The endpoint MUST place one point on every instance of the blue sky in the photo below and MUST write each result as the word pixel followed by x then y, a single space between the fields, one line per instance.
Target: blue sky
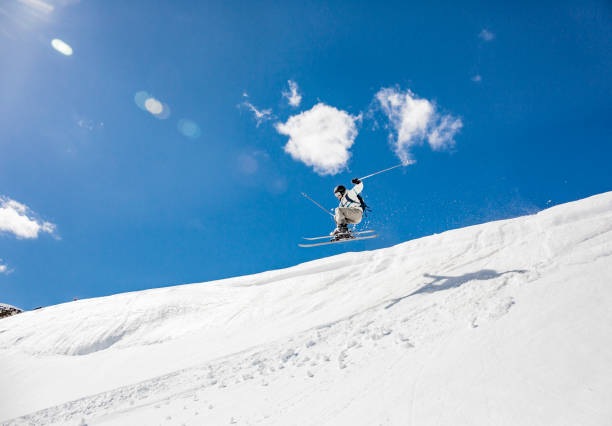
pixel 100 195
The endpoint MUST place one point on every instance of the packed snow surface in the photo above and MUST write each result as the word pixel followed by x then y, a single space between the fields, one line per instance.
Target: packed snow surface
pixel 505 323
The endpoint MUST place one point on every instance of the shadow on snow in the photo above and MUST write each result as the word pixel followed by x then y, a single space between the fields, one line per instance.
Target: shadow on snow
pixel 441 282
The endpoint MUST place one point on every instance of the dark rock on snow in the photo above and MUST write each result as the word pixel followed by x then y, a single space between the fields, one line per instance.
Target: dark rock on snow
pixel 8 310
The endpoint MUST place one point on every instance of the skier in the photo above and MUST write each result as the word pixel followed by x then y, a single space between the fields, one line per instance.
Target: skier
pixel 349 210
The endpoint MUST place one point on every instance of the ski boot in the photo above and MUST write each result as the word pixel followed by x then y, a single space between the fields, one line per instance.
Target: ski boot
pixel 341 232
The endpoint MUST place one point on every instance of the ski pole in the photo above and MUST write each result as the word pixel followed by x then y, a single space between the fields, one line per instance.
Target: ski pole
pixel 319 205
pixel 365 177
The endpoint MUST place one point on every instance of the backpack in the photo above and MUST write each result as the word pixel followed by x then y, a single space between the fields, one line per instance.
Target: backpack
pixel 364 206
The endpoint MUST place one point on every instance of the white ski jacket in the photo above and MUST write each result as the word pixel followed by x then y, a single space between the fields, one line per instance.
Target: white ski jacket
pixel 350 199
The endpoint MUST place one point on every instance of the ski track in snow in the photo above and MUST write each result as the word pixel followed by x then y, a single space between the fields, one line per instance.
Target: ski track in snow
pixel 480 325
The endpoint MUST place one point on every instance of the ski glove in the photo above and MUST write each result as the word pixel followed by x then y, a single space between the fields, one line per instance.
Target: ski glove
pixel 356 181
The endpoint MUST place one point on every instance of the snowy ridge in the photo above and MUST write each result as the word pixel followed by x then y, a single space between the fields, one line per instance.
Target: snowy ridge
pixel 502 323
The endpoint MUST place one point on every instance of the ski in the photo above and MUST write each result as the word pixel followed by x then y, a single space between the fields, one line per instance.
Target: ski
pixel 330 236
pixel 343 240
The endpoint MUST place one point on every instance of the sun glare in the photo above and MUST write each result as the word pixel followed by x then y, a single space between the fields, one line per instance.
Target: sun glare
pixel 61 46
pixel 153 106
pixel 145 101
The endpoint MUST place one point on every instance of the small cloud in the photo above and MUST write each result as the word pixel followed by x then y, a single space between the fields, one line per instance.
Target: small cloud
pixel 61 46
pixel 413 120
pixel 260 115
pixel 477 78
pixel 89 124
pixel 86 124
pixel 18 219
pixel 4 268
pixel 486 35
pixel 293 96
pixel 321 138
pixel 442 133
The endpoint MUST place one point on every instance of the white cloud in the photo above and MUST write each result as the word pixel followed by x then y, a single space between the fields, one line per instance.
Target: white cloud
pixel 486 35
pixel 4 269
pixel 18 219
pixel 293 96
pixel 260 115
pixel 442 133
pixel 321 138
pixel 414 120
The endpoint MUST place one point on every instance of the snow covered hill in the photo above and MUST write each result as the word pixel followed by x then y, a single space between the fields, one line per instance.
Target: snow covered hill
pixel 505 323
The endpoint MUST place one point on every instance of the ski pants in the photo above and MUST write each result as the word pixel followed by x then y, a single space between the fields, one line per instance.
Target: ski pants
pixel 346 215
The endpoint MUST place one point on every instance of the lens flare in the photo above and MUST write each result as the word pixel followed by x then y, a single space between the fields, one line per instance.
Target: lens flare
pixel 146 102
pixel 189 128
pixel 61 46
pixel 247 164
pixel 153 106
pixel 165 112
pixel 140 98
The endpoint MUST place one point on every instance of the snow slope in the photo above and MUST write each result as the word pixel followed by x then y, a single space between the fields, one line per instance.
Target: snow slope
pixel 505 323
